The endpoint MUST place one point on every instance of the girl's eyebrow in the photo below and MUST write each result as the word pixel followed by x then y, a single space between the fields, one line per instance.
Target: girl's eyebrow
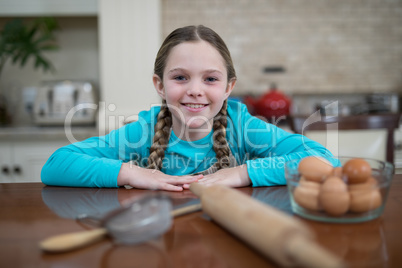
pixel 176 70
pixel 213 71
pixel 182 70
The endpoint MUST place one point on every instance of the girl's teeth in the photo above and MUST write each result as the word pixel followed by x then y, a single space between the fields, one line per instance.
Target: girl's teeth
pixel 195 106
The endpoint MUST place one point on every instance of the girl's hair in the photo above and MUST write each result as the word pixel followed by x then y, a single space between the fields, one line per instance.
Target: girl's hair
pixel 164 119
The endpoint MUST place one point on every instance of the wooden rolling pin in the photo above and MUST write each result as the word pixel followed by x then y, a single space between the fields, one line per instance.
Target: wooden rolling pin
pixel 276 235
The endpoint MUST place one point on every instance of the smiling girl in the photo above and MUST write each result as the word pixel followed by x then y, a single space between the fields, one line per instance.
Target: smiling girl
pixel 197 134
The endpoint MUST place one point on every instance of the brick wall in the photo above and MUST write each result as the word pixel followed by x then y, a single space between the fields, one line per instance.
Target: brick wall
pixel 324 46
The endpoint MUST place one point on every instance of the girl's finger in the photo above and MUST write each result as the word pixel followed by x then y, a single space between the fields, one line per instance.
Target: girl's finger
pixel 184 179
pixel 170 187
pixel 180 183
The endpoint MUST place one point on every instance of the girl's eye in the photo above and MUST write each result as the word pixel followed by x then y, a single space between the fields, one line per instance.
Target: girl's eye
pixel 211 79
pixel 179 78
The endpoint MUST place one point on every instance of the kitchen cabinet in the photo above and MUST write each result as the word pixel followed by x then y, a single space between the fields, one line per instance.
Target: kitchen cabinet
pixel 22 161
pixel 24 150
pixel 48 7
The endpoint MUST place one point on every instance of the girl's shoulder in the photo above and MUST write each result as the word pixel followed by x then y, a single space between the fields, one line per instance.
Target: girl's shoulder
pixel 142 124
pixel 150 115
pixel 241 118
pixel 145 117
pixel 236 108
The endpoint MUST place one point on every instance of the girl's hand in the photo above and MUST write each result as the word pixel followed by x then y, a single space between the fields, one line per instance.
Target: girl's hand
pixel 143 178
pixel 232 177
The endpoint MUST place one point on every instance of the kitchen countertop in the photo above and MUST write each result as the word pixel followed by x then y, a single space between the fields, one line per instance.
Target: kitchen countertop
pixel 30 133
pixel 35 133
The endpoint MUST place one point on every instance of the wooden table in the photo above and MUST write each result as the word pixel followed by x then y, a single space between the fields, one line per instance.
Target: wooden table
pixel 30 212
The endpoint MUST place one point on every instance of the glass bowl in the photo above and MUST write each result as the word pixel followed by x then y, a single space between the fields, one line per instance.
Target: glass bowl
pixel 309 202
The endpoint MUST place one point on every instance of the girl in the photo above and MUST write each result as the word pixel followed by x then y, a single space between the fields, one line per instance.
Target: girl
pixel 195 135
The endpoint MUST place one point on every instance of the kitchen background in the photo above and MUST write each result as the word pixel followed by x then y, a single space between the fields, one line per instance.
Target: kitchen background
pixel 324 46
pixel 338 48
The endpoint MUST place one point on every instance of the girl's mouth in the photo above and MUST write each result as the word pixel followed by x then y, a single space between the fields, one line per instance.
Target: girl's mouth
pixel 195 105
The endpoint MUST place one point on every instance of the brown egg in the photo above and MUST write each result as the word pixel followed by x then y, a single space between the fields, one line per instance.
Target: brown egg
pixel 334 196
pixel 315 168
pixel 334 184
pixel 357 170
pixel 364 199
pixel 369 184
pixel 306 194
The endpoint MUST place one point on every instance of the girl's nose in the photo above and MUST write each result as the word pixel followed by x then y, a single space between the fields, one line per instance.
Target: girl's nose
pixel 195 89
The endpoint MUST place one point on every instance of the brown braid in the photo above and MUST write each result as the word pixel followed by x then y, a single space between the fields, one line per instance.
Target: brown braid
pixel 220 145
pixel 161 138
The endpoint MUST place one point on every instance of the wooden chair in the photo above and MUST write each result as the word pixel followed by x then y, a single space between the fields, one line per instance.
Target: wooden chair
pixel 387 122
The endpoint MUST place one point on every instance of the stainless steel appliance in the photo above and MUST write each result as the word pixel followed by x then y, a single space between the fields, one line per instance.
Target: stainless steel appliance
pixel 66 102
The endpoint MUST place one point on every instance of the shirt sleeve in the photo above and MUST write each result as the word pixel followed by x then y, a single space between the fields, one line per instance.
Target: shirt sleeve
pixel 270 147
pixel 95 162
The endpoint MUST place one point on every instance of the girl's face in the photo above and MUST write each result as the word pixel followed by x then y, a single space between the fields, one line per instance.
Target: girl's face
pixel 194 86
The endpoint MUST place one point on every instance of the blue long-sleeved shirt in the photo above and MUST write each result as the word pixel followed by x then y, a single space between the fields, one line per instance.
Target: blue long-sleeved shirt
pixel 96 162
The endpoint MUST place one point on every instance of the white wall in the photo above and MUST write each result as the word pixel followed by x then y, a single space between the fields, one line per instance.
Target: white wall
pixel 129 40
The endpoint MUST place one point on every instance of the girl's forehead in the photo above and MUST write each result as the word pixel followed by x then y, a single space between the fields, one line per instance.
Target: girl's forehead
pixel 196 54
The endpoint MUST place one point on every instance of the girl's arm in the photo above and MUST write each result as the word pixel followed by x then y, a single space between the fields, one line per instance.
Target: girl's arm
pixel 104 162
pixel 94 162
pixel 268 166
pixel 263 149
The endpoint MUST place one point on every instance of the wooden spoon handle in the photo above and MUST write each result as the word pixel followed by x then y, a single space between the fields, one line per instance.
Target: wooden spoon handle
pixel 185 210
pixel 70 241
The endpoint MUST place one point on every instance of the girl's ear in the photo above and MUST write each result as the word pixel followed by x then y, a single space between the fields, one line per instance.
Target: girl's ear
pixel 230 87
pixel 159 86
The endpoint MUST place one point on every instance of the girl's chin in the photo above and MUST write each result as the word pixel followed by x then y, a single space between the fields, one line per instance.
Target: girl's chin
pixel 200 125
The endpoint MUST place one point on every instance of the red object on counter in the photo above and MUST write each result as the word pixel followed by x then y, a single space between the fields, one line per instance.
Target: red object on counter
pixel 271 105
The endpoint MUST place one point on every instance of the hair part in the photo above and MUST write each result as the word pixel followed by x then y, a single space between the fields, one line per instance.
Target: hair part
pixel 164 120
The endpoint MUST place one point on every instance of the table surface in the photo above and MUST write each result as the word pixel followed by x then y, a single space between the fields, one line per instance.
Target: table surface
pixel 31 212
